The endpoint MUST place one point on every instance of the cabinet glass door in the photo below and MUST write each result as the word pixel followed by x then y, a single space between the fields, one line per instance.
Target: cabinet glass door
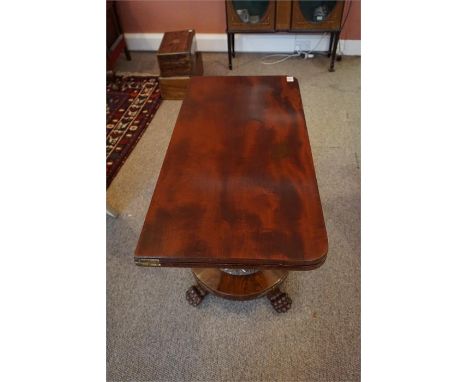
pixel 250 15
pixel 316 11
pixel 316 15
pixel 250 12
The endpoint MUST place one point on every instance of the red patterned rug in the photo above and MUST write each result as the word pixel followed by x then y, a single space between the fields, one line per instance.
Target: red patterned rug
pixel 131 103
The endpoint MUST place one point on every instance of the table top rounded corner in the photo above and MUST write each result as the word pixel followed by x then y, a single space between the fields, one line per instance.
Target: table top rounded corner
pixel 237 186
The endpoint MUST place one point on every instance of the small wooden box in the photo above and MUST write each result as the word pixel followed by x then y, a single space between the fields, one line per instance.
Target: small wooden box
pixel 178 62
pixel 173 87
pixel 177 54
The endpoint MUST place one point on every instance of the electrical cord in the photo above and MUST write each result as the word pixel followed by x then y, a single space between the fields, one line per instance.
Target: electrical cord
pixel 285 57
pixel 316 45
pixel 306 53
pixel 288 56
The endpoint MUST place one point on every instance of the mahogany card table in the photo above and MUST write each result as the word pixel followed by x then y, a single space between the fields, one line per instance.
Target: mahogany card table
pixel 237 197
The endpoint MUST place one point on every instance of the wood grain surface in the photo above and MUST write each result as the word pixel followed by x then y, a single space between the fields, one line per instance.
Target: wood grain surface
pixel 239 287
pixel 237 187
pixel 176 42
pixel 173 87
pixel 283 15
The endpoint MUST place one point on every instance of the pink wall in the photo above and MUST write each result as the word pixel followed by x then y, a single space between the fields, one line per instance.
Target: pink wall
pixel 205 16
pixel 352 28
pixel 162 16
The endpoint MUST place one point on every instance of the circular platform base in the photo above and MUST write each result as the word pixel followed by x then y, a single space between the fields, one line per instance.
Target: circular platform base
pixel 239 287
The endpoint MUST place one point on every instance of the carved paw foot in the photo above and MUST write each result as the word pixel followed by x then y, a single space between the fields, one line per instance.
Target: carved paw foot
pixel 280 301
pixel 195 295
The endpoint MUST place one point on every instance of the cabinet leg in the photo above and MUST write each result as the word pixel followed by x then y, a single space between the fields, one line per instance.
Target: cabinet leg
pixel 233 46
pixel 330 46
pixel 229 41
pixel 333 55
pixel 280 301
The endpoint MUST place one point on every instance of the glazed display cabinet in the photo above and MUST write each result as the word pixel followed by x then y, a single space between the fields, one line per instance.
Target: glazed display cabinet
pixel 297 16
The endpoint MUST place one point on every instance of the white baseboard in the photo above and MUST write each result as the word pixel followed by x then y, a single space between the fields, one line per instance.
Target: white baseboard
pixel 264 42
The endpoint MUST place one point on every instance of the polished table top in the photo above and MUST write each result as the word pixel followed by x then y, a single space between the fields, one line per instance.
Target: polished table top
pixel 237 187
